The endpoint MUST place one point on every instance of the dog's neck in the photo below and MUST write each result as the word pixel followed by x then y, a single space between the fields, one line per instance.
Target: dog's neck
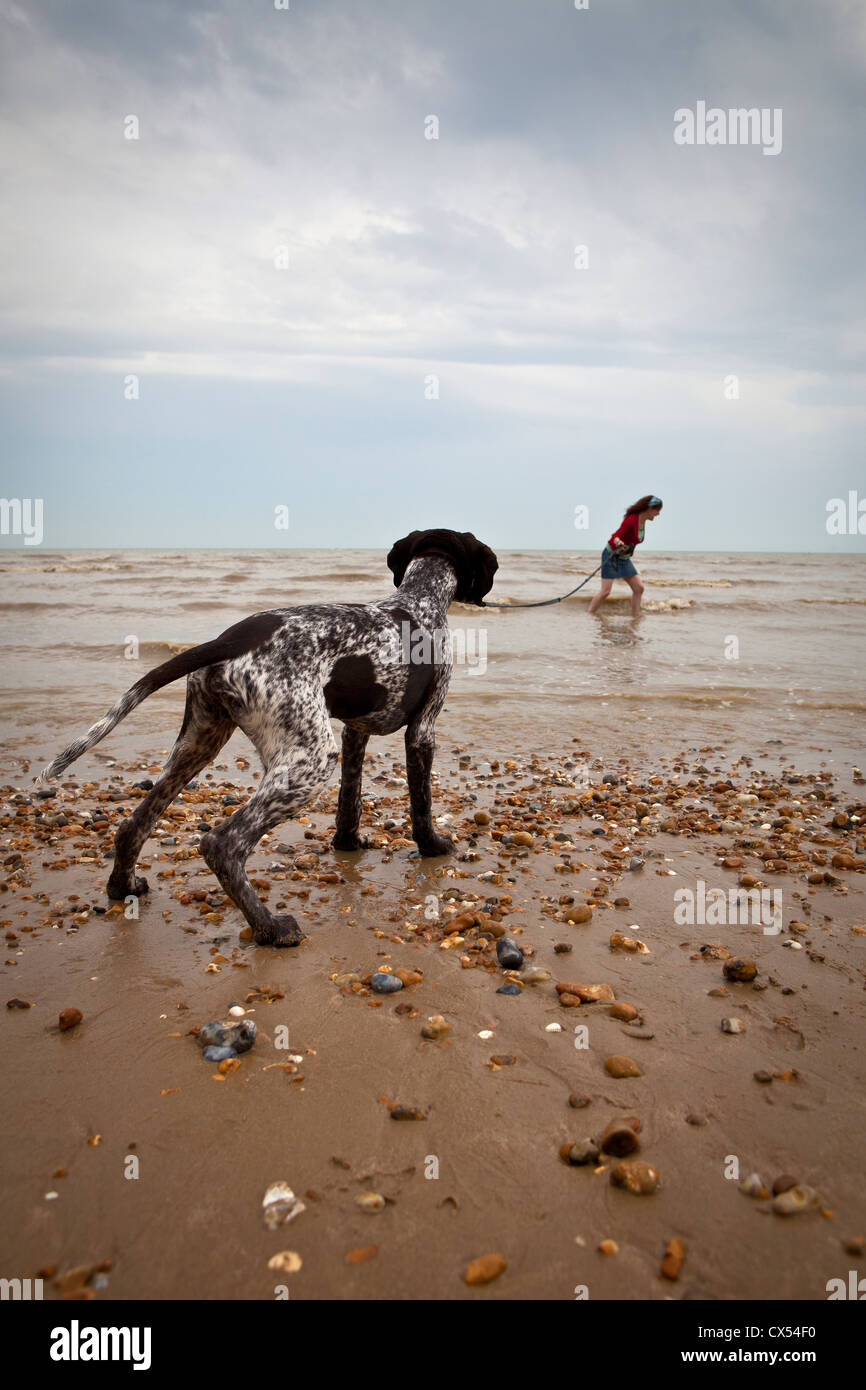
pixel 430 582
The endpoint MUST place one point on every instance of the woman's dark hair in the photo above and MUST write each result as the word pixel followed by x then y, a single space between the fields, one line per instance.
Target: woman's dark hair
pixel 643 504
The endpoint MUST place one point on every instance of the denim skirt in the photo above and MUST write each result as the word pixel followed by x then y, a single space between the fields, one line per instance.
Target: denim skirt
pixel 616 566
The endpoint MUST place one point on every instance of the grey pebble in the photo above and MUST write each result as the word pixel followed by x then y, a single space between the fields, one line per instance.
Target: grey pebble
pixel 385 984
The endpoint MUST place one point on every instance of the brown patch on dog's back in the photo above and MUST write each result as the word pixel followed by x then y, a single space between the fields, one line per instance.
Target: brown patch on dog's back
pixel 352 691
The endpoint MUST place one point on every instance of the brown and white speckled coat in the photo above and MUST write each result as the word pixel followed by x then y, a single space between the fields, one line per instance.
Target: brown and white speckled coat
pixel 281 676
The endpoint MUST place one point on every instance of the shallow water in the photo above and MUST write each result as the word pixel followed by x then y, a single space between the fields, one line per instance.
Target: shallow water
pixel 730 647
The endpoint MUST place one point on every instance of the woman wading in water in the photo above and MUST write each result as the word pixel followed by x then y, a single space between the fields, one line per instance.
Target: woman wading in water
pixel 615 558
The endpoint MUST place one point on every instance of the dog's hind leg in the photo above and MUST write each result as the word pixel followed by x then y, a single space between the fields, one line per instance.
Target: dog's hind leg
pixel 204 731
pixel 420 747
pixel 292 777
pixel 349 805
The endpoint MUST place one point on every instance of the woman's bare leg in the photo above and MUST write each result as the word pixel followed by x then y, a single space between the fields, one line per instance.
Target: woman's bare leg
pixel 635 583
pixel 606 586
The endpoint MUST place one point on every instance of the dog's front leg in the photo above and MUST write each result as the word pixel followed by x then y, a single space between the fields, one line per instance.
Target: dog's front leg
pixel 346 835
pixel 420 747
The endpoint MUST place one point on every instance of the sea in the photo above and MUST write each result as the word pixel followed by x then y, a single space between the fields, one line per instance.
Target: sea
pixel 732 651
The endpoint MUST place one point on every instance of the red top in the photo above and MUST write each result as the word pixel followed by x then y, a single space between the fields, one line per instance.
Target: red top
pixel 627 532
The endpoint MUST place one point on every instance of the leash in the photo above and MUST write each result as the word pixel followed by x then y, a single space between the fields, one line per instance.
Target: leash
pixel 543 602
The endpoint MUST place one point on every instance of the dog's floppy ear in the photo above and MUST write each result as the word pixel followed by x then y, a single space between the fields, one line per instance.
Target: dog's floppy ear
pixel 477 571
pixel 401 553
pixel 474 563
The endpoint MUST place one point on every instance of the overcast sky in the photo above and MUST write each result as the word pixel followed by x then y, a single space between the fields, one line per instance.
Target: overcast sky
pixel 415 261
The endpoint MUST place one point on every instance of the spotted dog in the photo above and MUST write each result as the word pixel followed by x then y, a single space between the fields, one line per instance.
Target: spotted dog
pixel 281 676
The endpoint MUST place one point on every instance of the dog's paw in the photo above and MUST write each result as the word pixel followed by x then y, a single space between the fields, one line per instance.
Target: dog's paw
pixel 349 840
pixel 280 931
pixel 136 889
pixel 435 845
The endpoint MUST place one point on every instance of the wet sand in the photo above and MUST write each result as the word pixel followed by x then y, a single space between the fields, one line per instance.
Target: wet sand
pixel 482 1173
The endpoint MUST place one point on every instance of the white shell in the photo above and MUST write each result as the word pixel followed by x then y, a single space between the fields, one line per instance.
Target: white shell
pixel 280 1205
pixel 287 1262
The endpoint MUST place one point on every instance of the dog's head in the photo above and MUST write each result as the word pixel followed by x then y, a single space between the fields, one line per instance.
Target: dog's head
pixel 474 562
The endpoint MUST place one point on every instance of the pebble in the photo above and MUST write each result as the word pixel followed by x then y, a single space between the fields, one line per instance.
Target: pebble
pixel 534 975
pixel 783 1184
pixel 644 1034
pixel 621 1067
pixel 697 1120
pixel 795 1200
pixel 286 1262
pixel 508 953
pixel 588 994
pixel 620 1139
pixel 620 942
pixel 408 1112
pixel 765 1077
pixel 626 1013
pixel 370 1201
pixel 740 968
pixel 553 1028
pixel 608 1247
pixel 485 1268
pixel 580 1154
pixel 385 984
pixel 635 1176
pixel 562 948
pixel 733 1025
pixel 510 988
pixel 579 1102
pixel 672 1261
pixel 361 1254
pixel 409 977
pixel 753 1186
pixel 69 1018
pixel 435 1028
pixel 237 1036
pixel 280 1205
pixel 576 916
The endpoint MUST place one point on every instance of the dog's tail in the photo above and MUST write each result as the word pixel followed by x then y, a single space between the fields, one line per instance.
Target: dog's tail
pixel 234 642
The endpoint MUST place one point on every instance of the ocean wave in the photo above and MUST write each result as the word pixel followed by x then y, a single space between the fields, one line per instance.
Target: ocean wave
pixel 76 567
pixel 859 598
pixel 353 576
pixel 29 607
pixel 473 690
pixel 692 583
pixel 666 605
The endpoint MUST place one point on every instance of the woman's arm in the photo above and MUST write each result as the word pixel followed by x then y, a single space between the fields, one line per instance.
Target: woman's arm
pixel 626 534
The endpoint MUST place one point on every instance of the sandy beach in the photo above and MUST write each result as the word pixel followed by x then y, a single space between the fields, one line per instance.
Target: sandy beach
pixel 133 1168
